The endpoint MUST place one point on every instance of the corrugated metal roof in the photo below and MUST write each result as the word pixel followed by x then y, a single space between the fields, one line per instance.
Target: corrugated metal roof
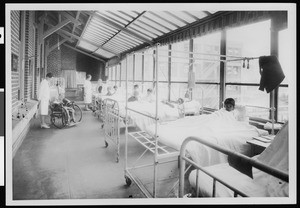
pixel 106 34
pixel 115 32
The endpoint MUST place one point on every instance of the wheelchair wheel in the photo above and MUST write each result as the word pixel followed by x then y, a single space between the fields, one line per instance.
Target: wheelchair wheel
pixel 78 113
pixel 59 119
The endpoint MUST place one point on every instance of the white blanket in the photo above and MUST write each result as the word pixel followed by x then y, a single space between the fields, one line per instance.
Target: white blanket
pixel 220 127
pixel 262 184
pixel 164 113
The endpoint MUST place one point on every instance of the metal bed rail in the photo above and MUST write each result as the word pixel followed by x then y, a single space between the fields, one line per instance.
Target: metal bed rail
pixel 150 143
pixel 249 161
pixel 112 122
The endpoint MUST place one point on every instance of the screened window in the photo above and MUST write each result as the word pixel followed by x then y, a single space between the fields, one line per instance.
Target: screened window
pixel 118 75
pixel 113 75
pixel 206 65
pixel 283 104
pixel 163 63
pixel 178 90
pixel 162 91
pixel 244 42
pixel 207 95
pixel 130 67
pixel 180 61
pixel 286 61
pixel 148 58
pixel 123 70
pixel 138 67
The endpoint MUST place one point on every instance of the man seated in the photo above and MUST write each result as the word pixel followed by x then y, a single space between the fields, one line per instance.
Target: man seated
pixel 70 110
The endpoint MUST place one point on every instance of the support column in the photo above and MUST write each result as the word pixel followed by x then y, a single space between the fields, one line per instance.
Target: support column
pixel 133 66
pixel 153 80
pixel 222 68
pixel 169 70
pixel 274 52
pixel 120 74
pixel 143 70
pixel 191 60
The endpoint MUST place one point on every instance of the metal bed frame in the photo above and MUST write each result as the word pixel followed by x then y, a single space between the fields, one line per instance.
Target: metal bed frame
pixel 161 153
pixel 109 112
pixel 249 161
pixel 111 123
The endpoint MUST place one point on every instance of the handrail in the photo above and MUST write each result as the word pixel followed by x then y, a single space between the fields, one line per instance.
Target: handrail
pixel 154 118
pixel 261 166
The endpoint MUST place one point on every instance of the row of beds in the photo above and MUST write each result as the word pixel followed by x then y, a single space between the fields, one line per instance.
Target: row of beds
pixel 204 146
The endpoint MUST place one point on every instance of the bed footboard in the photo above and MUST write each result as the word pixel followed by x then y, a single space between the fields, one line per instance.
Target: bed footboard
pixel 111 123
pixel 246 160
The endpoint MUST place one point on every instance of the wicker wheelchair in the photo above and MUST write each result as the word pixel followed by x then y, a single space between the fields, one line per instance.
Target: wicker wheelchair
pixel 64 112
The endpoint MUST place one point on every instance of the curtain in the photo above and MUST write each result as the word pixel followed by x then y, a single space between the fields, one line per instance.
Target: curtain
pixel 70 78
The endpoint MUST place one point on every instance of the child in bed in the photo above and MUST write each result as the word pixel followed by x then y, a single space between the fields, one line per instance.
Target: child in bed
pixel 134 97
pixel 149 97
pixel 229 104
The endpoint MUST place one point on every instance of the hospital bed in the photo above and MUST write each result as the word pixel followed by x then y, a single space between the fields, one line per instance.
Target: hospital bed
pixel 220 127
pixel 140 116
pixel 264 175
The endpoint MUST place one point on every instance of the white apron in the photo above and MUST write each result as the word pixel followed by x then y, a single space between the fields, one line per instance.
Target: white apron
pixel 87 91
pixel 44 97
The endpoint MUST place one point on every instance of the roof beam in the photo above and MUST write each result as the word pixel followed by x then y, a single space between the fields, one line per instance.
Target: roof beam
pixel 206 12
pixel 65 36
pixel 80 51
pixel 59 44
pixel 77 16
pixel 82 39
pixel 119 27
pixel 66 33
pixel 191 15
pixel 75 21
pixel 55 28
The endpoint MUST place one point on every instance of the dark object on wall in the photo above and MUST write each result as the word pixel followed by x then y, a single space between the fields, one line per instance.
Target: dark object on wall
pixel 271 73
pixel 14 62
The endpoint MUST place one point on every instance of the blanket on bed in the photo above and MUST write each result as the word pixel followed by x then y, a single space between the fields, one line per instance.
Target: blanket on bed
pixel 220 127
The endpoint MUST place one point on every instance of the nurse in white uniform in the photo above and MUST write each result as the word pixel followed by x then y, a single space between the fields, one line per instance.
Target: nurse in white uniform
pixel 44 98
pixel 87 91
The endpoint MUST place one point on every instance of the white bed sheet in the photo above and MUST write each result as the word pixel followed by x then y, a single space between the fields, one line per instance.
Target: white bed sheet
pixel 220 127
pixel 165 113
pixel 262 184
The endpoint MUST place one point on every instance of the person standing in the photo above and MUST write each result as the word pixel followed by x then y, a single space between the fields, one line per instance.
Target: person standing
pixel 87 91
pixel 44 99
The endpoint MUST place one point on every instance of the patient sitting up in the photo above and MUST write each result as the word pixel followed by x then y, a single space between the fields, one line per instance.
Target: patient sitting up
pixel 149 97
pixel 115 89
pixel 229 104
pixel 134 97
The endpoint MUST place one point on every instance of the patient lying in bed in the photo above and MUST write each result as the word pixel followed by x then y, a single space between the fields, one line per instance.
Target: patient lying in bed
pixel 261 185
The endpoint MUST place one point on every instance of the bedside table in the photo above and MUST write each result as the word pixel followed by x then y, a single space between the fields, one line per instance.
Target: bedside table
pixel 258 144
